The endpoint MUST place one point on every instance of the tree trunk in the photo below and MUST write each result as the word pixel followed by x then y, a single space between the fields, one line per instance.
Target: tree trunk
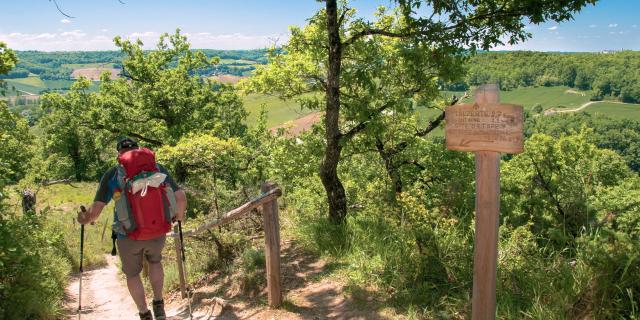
pixel 329 168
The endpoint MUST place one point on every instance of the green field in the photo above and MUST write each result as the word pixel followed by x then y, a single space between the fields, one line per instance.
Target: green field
pixel 234 61
pixel 548 97
pixel 88 65
pixel 58 84
pixel 281 111
pixel 278 111
pixel 30 81
pixel 615 110
pixel 29 85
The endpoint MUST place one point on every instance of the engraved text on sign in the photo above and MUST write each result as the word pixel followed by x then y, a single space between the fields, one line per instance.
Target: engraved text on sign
pixel 473 127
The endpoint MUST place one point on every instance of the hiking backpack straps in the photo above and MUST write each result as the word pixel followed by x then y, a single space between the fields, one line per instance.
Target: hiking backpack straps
pixel 144 202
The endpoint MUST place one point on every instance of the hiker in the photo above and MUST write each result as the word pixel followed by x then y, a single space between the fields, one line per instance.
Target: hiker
pixel 147 201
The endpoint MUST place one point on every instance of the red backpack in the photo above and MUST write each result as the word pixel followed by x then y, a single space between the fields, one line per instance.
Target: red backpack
pixel 147 208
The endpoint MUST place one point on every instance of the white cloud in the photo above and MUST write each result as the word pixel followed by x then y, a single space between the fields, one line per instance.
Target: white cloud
pixel 70 41
pixel 593 25
pixel 634 26
pixel 74 34
pixel 613 25
pixel 81 40
pixel 45 36
pixel 104 30
pixel 147 34
pixel 553 28
pixel 65 21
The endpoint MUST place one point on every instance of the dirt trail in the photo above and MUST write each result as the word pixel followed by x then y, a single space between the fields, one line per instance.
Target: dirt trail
pixel 104 294
pixel 553 111
pixel 307 293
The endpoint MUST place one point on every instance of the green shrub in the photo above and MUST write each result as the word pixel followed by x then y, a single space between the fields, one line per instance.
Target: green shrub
pixel 33 268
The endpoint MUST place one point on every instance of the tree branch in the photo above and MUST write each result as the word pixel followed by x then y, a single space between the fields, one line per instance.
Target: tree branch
pixel 362 125
pixel 96 126
pixel 500 13
pixel 60 10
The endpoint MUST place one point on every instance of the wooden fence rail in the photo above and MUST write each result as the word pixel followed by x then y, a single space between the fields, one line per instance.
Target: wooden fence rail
pixel 269 202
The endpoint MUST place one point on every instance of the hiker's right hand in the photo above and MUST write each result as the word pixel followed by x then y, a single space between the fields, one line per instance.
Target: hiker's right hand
pixel 83 217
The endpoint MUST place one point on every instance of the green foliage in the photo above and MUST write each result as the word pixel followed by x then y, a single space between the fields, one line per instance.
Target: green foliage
pixel 621 136
pixel 15 146
pixel 607 75
pixel 69 148
pixel 33 267
pixel 15 138
pixel 8 59
pixel 550 185
pixel 158 103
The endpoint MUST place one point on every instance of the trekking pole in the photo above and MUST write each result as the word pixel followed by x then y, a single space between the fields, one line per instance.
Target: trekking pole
pixel 184 265
pixel 84 210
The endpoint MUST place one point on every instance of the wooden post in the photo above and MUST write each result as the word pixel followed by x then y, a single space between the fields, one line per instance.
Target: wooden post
pixel 183 286
pixel 485 253
pixel 272 247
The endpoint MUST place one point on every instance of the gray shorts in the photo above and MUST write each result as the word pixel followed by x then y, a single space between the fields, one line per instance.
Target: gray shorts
pixel 131 252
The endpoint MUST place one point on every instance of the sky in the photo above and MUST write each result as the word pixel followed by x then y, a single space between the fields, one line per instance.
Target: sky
pixel 250 24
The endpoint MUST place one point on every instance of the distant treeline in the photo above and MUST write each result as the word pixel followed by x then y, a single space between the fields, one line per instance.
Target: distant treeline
pixel 613 75
pixel 608 75
pixel 54 65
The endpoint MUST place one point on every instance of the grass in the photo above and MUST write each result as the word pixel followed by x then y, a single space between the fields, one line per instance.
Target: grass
pixel 548 97
pixel 278 111
pixel 238 61
pixel 615 110
pixel 20 85
pixel 61 204
pixel 58 84
pixel 30 81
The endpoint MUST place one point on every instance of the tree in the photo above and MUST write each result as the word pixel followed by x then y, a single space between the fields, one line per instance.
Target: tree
pixel 338 54
pixel 159 99
pixel 8 60
pixel 551 185
pixel 70 149
pixel 15 138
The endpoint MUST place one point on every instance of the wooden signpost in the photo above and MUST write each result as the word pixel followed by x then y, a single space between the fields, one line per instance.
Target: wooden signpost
pixel 486 128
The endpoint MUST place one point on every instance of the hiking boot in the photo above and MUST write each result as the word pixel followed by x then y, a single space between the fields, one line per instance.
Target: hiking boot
pixel 146 315
pixel 158 310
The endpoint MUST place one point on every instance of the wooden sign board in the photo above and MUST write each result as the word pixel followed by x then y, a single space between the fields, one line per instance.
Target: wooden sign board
pixel 493 127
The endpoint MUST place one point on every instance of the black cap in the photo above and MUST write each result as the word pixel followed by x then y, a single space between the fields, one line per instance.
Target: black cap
pixel 126 143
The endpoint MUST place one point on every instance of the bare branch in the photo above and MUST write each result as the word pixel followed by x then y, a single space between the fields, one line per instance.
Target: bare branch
pixel 46 183
pixel 60 10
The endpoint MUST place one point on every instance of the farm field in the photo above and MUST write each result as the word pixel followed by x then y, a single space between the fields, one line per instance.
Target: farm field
pixel 25 85
pixel 88 65
pixel 239 61
pixel 278 111
pixel 615 110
